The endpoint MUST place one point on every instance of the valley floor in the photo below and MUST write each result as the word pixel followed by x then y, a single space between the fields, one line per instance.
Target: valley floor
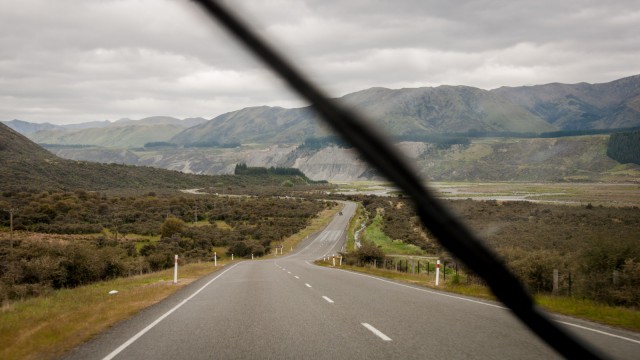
pixel 595 194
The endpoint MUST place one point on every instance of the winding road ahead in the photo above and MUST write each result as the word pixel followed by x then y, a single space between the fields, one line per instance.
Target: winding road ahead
pixel 287 308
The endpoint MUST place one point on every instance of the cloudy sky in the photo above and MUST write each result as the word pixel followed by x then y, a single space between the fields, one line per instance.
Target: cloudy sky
pixel 70 61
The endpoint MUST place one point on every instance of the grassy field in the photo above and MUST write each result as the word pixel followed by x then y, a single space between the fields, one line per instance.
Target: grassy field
pixel 47 327
pixel 354 224
pixel 389 246
pixel 622 317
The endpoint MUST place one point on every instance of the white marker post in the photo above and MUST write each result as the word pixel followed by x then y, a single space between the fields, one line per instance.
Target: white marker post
pixel 231 257
pixel 437 272
pixel 215 258
pixel 175 270
pixel 334 261
pixel 340 260
pixel 251 256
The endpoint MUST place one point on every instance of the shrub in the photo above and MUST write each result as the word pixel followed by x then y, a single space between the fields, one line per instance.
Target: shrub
pixel 172 226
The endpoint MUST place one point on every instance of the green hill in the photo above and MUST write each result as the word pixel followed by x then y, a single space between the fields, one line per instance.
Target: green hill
pixel 27 166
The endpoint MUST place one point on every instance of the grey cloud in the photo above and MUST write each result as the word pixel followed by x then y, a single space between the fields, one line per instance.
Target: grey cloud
pixel 73 60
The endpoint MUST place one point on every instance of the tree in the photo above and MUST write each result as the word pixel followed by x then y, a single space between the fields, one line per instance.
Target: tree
pixel 172 226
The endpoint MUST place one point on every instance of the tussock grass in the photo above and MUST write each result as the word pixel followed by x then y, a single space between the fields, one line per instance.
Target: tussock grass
pixel 47 327
pixel 354 225
pixel 627 318
pixel 221 224
pixel 374 233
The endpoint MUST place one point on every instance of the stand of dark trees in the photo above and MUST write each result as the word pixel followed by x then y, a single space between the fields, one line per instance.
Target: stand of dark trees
pixel 154 144
pixel 317 143
pixel 243 169
pixel 624 147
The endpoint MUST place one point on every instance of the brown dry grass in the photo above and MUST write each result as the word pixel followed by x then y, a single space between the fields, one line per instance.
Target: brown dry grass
pixel 47 327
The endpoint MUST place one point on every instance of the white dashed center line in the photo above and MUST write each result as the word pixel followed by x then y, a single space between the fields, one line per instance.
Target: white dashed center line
pixel 377 332
pixel 308 285
pixel 328 300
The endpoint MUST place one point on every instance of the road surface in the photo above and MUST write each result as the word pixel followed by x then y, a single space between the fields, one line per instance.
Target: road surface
pixel 287 308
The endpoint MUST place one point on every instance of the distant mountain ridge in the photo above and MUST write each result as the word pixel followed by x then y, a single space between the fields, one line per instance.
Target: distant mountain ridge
pixel 27 128
pixel 28 167
pixel 416 112
pixel 442 109
pixel 582 106
pixel 122 133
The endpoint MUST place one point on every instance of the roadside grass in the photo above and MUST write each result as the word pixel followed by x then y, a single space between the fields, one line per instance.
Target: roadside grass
pixel 354 225
pixel 374 233
pixel 622 317
pixel 220 252
pixel 317 224
pixel 46 327
pixel 199 223
pixel 626 318
pixel 221 224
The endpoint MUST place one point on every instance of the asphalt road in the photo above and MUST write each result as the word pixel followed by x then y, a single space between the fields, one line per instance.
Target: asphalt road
pixel 287 308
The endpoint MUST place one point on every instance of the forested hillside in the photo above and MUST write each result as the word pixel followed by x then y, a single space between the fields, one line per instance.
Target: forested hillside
pixel 624 147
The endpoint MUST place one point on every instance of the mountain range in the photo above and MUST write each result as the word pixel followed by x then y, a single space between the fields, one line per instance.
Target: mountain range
pixel 419 111
pixel 122 133
pixel 270 136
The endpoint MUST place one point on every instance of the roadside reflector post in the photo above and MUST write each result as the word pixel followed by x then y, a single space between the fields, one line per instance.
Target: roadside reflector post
pixel 175 270
pixel 334 261
pixel 340 260
pixel 437 272
pixel 251 256
pixel 215 258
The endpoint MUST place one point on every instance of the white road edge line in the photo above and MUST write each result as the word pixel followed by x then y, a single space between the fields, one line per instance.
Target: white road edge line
pixel 135 337
pixel 376 331
pixel 484 303
pixel 307 285
pixel 328 299
pixel 598 331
